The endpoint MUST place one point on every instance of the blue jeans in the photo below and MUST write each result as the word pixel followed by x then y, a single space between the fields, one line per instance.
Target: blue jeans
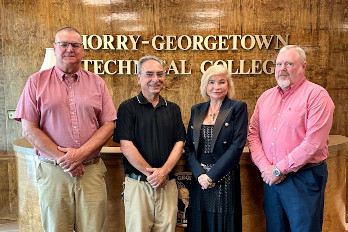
pixel 297 203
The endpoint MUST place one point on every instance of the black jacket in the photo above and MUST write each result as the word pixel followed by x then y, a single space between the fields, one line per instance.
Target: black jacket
pixel 229 136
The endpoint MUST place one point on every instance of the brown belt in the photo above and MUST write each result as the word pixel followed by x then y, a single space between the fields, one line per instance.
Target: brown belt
pixel 54 162
pixel 310 165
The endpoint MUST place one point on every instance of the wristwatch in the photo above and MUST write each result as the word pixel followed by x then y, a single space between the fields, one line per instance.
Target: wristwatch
pixel 276 171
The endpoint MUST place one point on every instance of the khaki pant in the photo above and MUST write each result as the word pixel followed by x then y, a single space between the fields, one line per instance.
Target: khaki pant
pixel 148 209
pixel 72 203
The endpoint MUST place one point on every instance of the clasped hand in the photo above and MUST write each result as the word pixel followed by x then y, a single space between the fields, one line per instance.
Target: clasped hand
pixel 157 178
pixel 205 181
pixel 71 162
pixel 269 178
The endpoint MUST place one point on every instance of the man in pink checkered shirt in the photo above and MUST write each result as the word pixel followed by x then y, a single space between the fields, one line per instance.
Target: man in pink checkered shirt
pixel 67 115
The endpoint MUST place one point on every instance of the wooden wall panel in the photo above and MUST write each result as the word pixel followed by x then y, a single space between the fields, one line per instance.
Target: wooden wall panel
pixel 3 137
pixel 320 27
pixel 8 188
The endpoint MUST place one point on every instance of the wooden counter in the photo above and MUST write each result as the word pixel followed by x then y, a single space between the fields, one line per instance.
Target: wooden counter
pixel 252 189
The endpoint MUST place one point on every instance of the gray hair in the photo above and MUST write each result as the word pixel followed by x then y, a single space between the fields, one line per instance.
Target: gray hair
pixel 213 71
pixel 146 58
pixel 298 49
pixel 70 29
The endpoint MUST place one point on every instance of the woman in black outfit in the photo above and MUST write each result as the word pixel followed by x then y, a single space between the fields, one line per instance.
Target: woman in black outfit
pixel 216 136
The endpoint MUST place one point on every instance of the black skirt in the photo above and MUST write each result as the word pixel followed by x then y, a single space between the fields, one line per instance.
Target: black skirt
pixel 216 209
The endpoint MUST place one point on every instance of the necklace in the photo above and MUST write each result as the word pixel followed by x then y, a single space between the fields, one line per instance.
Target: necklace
pixel 212 115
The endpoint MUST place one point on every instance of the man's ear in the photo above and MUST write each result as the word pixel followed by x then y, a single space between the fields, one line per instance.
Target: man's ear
pixel 304 65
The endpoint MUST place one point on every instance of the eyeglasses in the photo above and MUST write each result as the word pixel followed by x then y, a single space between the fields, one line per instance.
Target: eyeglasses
pixel 64 44
pixel 158 74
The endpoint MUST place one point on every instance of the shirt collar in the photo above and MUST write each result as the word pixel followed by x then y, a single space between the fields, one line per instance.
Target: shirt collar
pixel 61 74
pixel 142 100
pixel 293 87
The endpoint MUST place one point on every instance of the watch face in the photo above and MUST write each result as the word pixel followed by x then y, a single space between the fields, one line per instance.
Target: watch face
pixel 276 172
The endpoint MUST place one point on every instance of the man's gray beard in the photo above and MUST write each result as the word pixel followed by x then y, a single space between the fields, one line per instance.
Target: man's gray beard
pixel 283 84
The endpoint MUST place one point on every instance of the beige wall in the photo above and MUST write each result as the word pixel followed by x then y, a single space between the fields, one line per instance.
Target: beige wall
pixel 320 27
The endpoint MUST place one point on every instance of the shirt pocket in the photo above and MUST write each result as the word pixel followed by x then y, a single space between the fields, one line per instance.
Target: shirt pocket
pixel 294 117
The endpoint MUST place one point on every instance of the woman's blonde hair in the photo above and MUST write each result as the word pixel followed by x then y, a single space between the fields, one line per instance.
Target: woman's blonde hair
pixel 213 71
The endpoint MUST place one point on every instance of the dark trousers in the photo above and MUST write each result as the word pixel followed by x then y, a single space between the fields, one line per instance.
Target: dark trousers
pixel 297 203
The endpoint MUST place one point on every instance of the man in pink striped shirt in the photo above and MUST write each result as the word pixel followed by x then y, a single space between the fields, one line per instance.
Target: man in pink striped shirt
pixel 67 115
pixel 288 140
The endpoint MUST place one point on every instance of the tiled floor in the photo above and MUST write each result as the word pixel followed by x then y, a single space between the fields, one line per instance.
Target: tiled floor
pixel 9 226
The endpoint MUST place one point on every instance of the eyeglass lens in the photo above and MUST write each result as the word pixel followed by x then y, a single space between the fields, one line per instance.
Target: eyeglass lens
pixel 64 44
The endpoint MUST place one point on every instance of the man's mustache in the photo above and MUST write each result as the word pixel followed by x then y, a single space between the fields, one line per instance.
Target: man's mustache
pixel 283 73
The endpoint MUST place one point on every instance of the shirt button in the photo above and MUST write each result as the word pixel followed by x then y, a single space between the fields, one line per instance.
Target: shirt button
pixel 75 141
pixel 224 142
pixel 71 100
pixel 191 127
pixel 272 144
pixel 73 113
pixel 226 124
pixel 75 127
pixel 70 86
pixel 275 128
pixel 278 114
